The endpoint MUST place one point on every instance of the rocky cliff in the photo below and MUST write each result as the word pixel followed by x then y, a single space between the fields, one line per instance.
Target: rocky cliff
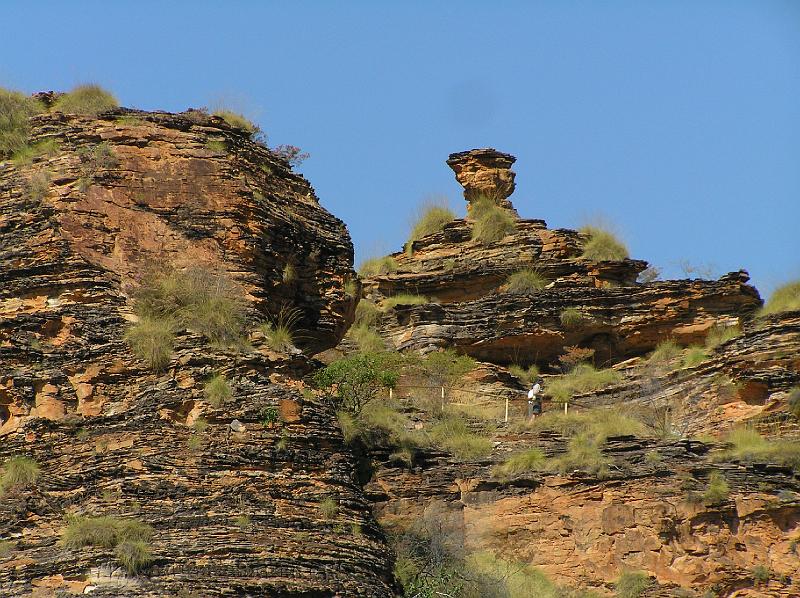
pixel 254 495
pixel 593 502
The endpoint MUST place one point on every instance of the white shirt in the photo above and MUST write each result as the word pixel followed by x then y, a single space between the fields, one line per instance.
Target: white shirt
pixel 534 391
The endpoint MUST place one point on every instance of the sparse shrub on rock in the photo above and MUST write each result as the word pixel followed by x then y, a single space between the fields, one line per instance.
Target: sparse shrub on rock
pixel 602 245
pixel 492 222
pixel 88 100
pixel 15 112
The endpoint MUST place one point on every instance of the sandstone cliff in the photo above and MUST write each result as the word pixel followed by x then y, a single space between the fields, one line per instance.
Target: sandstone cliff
pixel 255 496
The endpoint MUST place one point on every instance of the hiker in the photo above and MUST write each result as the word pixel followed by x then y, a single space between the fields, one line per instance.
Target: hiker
pixel 535 400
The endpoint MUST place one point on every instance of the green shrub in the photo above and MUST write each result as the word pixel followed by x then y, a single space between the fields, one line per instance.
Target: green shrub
pixel 38 185
pixel 583 378
pixel 328 508
pixel 453 435
pixel 403 299
pixel 196 298
pixel 133 555
pixel 96 158
pixel 18 472
pixel 279 337
pixel 218 146
pixel 529 460
pixel 694 356
pixel 784 298
pixel 632 584
pixel 367 314
pixel 218 391
pixel 794 401
pixel 525 281
pixel 152 340
pixel 352 382
pixel 492 222
pixel 238 121
pixel 721 334
pixel 761 574
pixel 15 112
pixel 377 266
pixel 526 376
pixel 27 153
pixel 665 352
pixel 653 457
pixel 571 318
pixel 89 100
pixel 442 368
pixel 749 445
pixel 350 426
pixel 717 490
pixel 584 454
pixel 367 339
pixel 602 245
pixel 432 218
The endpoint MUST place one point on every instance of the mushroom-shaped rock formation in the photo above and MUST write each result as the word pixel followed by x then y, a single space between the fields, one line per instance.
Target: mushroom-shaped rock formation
pixel 485 172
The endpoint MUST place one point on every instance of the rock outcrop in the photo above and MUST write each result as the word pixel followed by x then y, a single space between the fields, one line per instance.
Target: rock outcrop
pixel 256 496
pixel 484 173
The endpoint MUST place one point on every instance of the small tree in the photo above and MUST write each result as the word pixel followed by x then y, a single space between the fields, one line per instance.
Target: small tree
pixel 354 381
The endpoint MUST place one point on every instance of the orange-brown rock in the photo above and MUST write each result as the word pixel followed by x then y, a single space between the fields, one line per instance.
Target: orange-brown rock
pixel 484 173
pixel 235 497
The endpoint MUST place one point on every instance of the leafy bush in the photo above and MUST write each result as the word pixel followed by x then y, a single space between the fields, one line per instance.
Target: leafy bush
pixel 89 100
pixel 38 185
pixel 529 460
pixel 525 281
pixel 694 356
pixel 583 378
pixel 761 574
pixel 270 416
pixel 571 318
pixel 721 334
pixel 602 245
pixel 431 218
pixel 196 298
pixel 784 298
pixel 152 340
pixel 377 266
pixel 328 508
pixel 526 376
pixel 18 472
pixel 15 110
pixel 453 435
pixel 238 121
pixel 632 584
pixel 492 222
pixel 665 352
pixel 717 490
pixel 354 381
pixel 403 299
pixel 218 391
pixel 794 401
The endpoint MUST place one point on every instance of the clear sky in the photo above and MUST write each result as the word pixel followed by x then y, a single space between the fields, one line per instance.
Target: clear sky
pixel 678 121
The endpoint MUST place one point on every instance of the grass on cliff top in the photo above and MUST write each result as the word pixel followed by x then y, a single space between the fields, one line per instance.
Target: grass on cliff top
pixel 492 222
pixel 748 445
pixel 583 378
pixel 524 282
pixel 27 153
pixel 602 245
pixel 15 110
pixel 377 266
pixel 18 472
pixel 89 100
pixel 431 217
pixel 785 298
pixel 238 121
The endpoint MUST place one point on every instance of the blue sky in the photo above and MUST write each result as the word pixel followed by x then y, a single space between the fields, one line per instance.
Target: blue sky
pixel 677 121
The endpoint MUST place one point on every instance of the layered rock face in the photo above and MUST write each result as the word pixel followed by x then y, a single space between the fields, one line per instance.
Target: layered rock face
pixel 242 503
pixel 646 512
pixel 484 173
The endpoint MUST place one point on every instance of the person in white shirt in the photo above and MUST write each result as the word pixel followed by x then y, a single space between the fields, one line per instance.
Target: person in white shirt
pixel 534 400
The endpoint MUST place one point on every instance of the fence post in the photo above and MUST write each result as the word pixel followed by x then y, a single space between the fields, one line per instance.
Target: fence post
pixel 390 393
pixel 506 420
pixel 565 407
pixel 442 399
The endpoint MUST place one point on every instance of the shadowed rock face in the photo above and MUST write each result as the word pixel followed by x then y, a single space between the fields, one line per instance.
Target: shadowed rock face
pixel 237 510
pixel 484 173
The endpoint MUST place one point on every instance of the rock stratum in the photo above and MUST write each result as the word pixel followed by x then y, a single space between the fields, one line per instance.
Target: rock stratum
pixel 239 505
